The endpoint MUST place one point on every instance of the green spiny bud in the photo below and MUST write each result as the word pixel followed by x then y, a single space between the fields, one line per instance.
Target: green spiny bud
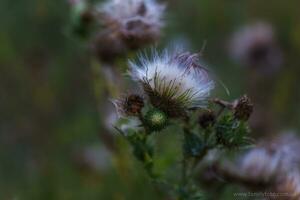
pixel 155 120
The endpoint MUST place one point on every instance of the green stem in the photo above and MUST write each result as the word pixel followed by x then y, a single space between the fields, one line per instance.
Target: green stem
pixel 189 164
pixel 186 131
pixel 184 171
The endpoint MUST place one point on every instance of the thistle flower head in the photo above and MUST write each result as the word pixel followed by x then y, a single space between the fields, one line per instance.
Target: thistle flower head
pixel 255 46
pixel 129 24
pixel 130 105
pixel 173 82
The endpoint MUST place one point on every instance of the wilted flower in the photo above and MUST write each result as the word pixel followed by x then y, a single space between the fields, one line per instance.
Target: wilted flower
pixel 127 24
pixel 243 108
pixel 207 119
pixel 130 105
pixel 174 82
pixel 255 46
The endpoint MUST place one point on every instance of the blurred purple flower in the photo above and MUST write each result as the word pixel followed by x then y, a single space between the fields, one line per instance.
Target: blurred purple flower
pixel 255 46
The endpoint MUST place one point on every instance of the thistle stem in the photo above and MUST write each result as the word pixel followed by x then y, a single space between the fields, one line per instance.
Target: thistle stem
pixel 184 169
pixel 223 103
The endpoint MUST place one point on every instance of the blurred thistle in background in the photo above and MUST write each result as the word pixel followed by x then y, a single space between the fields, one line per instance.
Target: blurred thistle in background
pixel 126 25
pixel 255 46
pixel 117 27
pixel 290 185
pixel 274 166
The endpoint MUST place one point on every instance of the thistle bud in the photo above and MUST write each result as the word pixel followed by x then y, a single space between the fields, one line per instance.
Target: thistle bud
pixel 243 108
pixel 207 119
pixel 131 105
pixel 155 120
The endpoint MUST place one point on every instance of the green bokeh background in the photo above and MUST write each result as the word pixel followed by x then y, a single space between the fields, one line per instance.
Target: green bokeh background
pixel 48 109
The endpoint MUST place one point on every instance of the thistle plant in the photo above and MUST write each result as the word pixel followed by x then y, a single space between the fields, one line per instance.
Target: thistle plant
pixel 177 92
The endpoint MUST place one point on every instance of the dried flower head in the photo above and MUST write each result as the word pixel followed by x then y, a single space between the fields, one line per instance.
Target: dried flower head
pixel 130 105
pixel 243 108
pixel 207 119
pixel 255 46
pixel 128 25
pixel 173 81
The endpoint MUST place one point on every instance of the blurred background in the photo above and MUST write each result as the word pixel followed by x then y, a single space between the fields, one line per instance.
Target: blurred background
pixel 51 144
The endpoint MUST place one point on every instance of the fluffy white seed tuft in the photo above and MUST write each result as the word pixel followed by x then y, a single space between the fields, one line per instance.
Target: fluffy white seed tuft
pixel 175 76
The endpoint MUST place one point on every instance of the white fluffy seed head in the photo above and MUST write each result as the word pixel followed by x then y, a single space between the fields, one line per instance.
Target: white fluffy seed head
pixel 175 77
